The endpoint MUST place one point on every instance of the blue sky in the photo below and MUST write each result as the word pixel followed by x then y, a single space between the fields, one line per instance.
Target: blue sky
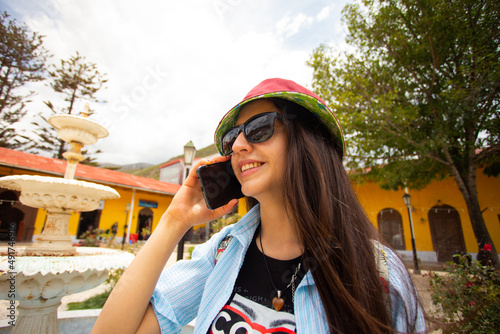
pixel 175 67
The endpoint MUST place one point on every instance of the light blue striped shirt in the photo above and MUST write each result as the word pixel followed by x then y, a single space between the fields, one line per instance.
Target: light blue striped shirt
pixel 198 288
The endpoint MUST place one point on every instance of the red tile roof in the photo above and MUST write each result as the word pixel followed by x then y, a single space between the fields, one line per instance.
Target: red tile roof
pixel 176 161
pixel 170 163
pixel 36 163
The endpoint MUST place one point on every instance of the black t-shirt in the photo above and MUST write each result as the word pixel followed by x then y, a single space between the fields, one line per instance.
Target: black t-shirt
pixel 250 306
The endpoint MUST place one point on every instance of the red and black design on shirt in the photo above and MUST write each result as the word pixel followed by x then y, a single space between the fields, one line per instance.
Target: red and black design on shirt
pixel 249 309
pixel 245 316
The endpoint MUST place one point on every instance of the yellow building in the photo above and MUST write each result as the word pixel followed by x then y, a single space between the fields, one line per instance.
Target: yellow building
pixel 440 218
pixel 142 200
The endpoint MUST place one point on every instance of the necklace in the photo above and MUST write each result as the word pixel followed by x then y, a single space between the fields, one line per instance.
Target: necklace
pixel 278 301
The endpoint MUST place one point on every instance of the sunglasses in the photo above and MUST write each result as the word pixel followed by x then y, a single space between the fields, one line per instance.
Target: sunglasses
pixel 257 129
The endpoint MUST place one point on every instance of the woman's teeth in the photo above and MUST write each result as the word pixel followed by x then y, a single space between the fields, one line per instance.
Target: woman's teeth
pixel 249 166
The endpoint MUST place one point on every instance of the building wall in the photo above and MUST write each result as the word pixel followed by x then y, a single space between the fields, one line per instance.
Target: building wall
pixel 446 192
pixel 172 173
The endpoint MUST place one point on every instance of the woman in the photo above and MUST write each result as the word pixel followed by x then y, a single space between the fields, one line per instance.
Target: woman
pixel 305 259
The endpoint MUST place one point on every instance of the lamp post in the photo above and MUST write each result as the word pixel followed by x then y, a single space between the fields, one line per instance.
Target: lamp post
pixel 407 200
pixel 189 153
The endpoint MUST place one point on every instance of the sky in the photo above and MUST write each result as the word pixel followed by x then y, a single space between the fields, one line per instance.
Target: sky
pixel 174 68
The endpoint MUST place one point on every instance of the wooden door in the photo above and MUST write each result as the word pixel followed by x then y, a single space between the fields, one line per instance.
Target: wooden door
pixel 446 231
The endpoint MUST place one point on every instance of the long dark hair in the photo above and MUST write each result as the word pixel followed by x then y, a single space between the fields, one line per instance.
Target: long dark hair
pixel 333 227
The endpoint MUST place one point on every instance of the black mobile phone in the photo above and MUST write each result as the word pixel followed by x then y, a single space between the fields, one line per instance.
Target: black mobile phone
pixel 218 183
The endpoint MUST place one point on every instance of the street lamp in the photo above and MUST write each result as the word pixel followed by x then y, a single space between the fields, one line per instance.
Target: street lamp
pixel 189 153
pixel 407 200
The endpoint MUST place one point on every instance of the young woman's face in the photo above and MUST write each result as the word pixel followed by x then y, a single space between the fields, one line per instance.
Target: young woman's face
pixel 260 167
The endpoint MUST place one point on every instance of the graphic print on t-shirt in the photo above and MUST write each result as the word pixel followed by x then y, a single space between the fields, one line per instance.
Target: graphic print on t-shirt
pixel 245 316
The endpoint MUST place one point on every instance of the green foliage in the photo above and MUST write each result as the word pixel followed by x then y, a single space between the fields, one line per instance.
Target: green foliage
pixel 114 277
pixel 422 84
pixel 190 252
pixel 467 297
pixel 96 237
pixel 145 233
pixel 418 93
pixel 22 60
pixel 492 165
pixel 220 223
pixel 76 79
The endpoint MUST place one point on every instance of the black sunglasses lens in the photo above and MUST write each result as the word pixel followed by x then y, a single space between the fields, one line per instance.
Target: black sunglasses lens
pixel 228 141
pixel 260 129
pixel 257 130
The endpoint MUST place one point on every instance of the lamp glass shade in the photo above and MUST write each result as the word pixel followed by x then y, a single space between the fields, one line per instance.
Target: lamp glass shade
pixel 189 153
pixel 407 199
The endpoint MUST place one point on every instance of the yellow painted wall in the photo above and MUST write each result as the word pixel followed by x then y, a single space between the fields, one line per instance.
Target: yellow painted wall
pixel 444 192
pixel 163 203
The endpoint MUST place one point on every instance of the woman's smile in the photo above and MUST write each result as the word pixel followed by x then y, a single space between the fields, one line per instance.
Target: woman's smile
pixel 246 165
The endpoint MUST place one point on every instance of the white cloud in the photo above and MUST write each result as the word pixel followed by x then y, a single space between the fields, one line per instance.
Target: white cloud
pixel 323 14
pixel 289 26
pixel 174 67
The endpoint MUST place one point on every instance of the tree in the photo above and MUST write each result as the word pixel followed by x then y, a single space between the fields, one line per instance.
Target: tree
pixel 22 60
pixel 419 92
pixel 76 79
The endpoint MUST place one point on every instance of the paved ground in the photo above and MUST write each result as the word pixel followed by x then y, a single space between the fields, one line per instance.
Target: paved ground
pixel 423 287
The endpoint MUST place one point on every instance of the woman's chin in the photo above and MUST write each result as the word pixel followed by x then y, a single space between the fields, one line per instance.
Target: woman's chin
pixel 249 191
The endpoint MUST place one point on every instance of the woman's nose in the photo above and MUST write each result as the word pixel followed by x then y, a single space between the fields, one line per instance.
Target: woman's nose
pixel 241 144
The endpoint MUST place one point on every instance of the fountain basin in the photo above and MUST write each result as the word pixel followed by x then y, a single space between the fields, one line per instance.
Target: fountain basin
pixel 39 283
pixel 58 194
pixel 79 129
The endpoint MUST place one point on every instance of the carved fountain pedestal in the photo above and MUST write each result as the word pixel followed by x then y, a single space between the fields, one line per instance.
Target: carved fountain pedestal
pixel 39 275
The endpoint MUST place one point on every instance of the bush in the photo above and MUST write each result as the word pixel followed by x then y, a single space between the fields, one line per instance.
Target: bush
pixel 220 223
pixel 467 296
pixel 96 237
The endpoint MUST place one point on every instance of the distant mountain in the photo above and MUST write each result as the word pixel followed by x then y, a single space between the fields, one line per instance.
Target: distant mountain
pixel 109 165
pixel 138 165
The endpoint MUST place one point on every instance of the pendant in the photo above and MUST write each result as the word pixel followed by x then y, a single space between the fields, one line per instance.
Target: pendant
pixel 278 302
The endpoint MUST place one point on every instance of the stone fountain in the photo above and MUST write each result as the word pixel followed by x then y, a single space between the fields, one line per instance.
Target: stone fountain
pixel 39 275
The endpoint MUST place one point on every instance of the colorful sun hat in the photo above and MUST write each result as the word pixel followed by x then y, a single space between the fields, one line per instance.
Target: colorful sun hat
pixel 287 90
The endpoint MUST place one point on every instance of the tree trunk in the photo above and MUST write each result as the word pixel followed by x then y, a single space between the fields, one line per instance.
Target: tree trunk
pixel 469 193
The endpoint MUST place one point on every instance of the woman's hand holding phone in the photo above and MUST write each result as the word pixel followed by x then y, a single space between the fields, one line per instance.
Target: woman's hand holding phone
pixel 188 206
